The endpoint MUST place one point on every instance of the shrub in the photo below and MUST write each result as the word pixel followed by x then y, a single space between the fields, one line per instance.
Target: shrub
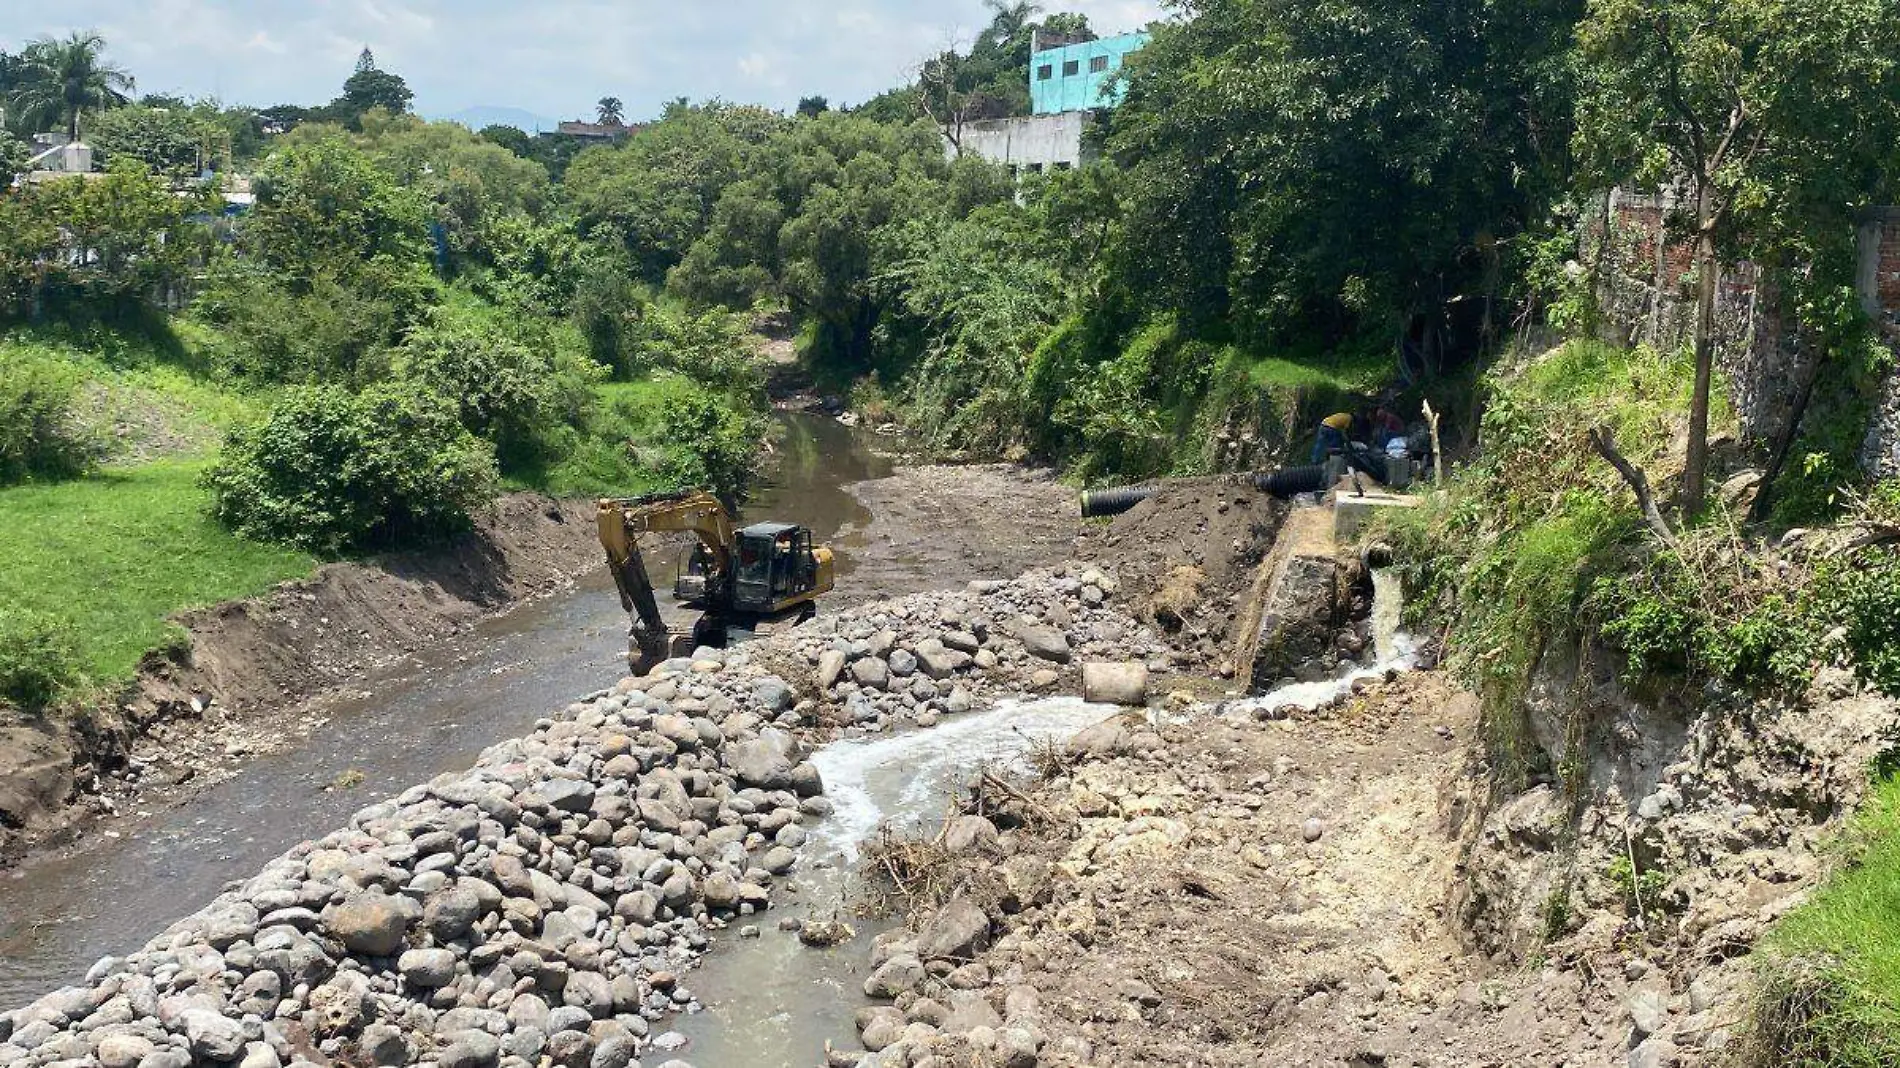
pixel 714 443
pixel 39 434
pixel 327 471
pixel 39 659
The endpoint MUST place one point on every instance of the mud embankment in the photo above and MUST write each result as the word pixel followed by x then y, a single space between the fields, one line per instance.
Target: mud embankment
pixel 192 708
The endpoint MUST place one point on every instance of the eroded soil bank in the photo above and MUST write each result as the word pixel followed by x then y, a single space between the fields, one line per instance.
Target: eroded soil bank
pixel 192 709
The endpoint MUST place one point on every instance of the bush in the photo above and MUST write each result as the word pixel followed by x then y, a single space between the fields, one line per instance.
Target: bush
pixel 714 442
pixel 39 434
pixel 39 659
pixel 327 472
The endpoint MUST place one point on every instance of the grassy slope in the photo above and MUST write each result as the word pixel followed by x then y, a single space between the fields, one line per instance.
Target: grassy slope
pixel 119 552
pixel 1833 966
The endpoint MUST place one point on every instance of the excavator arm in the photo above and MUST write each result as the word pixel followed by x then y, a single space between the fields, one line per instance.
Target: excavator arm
pixel 623 520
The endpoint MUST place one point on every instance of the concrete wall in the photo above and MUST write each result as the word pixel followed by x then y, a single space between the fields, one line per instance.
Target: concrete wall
pixel 1649 297
pixel 1066 78
pixel 1032 144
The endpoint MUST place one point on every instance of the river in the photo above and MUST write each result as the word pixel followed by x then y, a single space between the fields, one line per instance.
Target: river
pixel 425 715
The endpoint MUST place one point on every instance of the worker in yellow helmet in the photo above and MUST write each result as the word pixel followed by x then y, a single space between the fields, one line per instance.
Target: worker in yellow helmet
pixel 1332 436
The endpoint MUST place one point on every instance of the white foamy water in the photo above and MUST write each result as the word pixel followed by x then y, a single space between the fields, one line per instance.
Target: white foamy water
pixel 906 777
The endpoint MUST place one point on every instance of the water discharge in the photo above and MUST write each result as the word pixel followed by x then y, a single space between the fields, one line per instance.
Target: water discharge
pixel 772 1002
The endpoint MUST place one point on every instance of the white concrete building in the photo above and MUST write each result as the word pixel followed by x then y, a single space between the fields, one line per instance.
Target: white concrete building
pixel 1029 145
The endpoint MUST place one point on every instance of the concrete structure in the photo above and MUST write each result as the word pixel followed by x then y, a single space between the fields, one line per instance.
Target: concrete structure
pixel 1075 77
pixel 1032 144
pixel 55 153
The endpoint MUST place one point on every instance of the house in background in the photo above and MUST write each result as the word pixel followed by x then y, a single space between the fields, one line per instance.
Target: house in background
pixel 1078 76
pixel 1070 82
pixel 598 132
pixel 57 156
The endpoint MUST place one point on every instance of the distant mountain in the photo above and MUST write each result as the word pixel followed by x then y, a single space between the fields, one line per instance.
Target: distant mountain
pixel 488 115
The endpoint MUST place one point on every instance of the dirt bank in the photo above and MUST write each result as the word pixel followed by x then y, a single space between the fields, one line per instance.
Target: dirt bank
pixel 936 526
pixel 191 710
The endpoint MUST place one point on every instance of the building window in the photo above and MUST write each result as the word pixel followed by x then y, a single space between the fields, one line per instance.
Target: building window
pixel 1071 68
pixel 1035 168
pixel 1098 64
pixel 1045 72
pixel 1064 165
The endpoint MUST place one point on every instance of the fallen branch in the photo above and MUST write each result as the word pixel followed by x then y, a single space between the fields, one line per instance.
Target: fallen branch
pixel 1604 440
pixel 1028 802
pixel 1438 453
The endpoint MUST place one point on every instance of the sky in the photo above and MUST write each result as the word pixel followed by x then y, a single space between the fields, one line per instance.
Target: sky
pixel 553 58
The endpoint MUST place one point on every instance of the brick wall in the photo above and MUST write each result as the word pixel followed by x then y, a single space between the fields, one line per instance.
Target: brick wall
pixel 1650 299
pixel 1879 285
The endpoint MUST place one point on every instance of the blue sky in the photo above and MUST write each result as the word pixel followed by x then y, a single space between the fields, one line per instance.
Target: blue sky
pixel 551 57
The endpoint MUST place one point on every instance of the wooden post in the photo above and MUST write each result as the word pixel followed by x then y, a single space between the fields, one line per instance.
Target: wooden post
pixel 1438 454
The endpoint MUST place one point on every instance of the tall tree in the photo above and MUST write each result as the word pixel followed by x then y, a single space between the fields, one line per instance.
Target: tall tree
pixel 1312 169
pixel 368 87
pixel 813 106
pixel 61 79
pixel 608 112
pixel 1738 105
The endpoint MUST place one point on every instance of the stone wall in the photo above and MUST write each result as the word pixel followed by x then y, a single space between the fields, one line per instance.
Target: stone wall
pixel 1649 297
pixel 1879 285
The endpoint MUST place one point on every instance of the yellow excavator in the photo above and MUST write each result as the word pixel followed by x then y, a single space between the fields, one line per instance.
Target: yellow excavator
pixel 742 579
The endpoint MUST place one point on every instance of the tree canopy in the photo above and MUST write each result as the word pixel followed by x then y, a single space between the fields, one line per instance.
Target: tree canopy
pixel 58 82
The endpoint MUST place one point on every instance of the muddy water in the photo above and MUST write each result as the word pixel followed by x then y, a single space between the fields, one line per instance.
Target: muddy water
pixel 60 913
pixel 771 1002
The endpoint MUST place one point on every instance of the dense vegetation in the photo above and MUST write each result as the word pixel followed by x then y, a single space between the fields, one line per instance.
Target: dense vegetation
pixel 1301 202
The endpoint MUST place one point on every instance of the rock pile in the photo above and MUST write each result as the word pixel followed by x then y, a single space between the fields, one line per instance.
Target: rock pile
pixel 536 909
pixel 541 907
pixel 912 660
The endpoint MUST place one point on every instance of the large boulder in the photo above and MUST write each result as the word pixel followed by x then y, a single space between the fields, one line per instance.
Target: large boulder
pixel 956 931
pixel 212 1035
pixel 1045 643
pixel 371 924
pixel 1123 683
pixel 760 763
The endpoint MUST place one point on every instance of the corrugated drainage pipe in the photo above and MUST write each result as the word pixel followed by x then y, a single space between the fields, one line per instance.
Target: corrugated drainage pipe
pixel 1105 502
pixel 1291 480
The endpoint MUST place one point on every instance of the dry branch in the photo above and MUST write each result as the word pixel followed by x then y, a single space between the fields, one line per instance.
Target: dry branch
pixel 1604 440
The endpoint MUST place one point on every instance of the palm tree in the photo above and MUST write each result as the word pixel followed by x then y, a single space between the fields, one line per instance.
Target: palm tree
pixel 62 79
pixel 609 108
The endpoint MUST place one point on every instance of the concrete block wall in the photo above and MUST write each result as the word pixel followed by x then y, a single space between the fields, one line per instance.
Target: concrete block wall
pixel 1879 285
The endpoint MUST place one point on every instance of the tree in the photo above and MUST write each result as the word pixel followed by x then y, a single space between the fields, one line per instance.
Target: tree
pixel 325 211
pixel 62 79
pixel 607 111
pixel 165 140
pixel 509 137
pixel 369 87
pixel 1745 107
pixel 14 155
pixel 812 106
pixel 1361 162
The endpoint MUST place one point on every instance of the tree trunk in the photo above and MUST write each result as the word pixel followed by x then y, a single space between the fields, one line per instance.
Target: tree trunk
pixel 1695 468
pixel 1784 440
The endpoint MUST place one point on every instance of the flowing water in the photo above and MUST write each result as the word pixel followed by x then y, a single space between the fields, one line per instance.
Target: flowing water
pixel 429 714
pixel 773 1003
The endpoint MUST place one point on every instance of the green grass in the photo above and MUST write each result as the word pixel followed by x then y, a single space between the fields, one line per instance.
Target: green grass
pixel 117 553
pixel 1831 971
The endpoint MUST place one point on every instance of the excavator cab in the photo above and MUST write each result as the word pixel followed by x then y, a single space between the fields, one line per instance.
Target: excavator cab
pixel 775 564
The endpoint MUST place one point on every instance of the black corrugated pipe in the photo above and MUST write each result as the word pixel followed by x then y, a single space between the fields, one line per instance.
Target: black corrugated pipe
pixel 1291 480
pixel 1096 503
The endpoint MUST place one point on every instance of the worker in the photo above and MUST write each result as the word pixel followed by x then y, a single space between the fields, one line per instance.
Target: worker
pixel 1385 427
pixel 1331 437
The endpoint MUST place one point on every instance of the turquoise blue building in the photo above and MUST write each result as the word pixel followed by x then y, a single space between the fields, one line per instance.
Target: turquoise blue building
pixel 1074 77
